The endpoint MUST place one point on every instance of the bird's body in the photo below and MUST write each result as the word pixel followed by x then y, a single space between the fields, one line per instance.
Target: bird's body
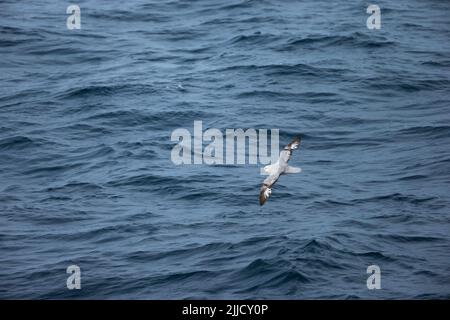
pixel 277 169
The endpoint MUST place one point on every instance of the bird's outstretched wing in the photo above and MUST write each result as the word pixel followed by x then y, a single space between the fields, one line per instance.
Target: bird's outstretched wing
pixel 281 167
pixel 266 186
pixel 285 154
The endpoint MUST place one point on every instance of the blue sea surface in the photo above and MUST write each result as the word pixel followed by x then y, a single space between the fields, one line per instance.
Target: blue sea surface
pixel 86 176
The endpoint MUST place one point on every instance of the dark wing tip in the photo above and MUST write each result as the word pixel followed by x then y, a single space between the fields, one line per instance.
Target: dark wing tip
pixel 262 200
pixel 263 194
pixel 262 197
pixel 295 143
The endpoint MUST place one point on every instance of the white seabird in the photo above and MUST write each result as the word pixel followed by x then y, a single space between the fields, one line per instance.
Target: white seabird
pixel 277 169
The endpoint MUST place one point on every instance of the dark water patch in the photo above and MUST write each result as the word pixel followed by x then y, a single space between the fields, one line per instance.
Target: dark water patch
pixel 356 40
pixel 82 128
pixel 41 216
pixel 261 267
pixel 17 143
pixel 413 177
pixel 408 238
pixel 119 16
pixel 254 39
pixel 201 195
pixel 396 218
pixel 100 234
pixel 315 246
pixel 53 169
pixel 76 187
pixel 357 223
pixel 437 64
pixel 427 131
pixel 402 83
pixel 209 249
pixel 275 70
pixel 181 278
pixel 396 197
pixel 104 90
pixel 99 152
pixel 142 180
pixel 374 256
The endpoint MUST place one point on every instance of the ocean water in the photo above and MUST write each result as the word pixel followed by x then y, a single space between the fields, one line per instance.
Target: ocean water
pixel 86 176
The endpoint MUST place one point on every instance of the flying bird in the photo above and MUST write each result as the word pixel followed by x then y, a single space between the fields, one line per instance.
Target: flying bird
pixel 277 169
